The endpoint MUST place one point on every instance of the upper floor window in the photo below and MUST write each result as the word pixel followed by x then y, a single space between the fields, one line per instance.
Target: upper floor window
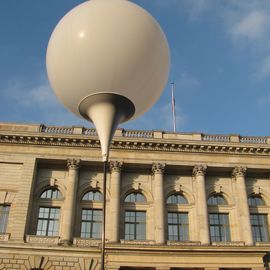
pixel 177 199
pixel 217 199
pixel 4 213
pixel 135 225
pixel 219 227
pixel 255 200
pixel 178 226
pixel 49 210
pixel 51 193
pixel 91 222
pixel 135 197
pixel 48 221
pixel 92 196
pixel 259 227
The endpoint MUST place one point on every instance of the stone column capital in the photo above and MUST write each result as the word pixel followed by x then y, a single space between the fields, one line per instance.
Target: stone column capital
pixel 158 168
pixel 199 170
pixel 116 166
pixel 239 172
pixel 73 164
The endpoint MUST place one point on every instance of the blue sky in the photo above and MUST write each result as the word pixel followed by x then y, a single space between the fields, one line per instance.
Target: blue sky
pixel 220 52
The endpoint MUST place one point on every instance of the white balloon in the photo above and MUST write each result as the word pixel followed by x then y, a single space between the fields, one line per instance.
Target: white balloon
pixel 108 46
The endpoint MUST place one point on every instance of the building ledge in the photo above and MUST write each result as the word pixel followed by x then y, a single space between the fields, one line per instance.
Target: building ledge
pixel 4 237
pixel 46 240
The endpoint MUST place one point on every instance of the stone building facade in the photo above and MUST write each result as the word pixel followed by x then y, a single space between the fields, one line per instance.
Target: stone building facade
pixel 174 201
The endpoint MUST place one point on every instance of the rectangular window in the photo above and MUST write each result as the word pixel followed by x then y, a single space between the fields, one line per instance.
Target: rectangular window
pixel 219 227
pixel 48 221
pixel 178 226
pixel 4 213
pixel 259 227
pixel 91 223
pixel 135 225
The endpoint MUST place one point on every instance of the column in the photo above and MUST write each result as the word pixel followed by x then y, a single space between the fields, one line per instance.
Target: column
pixel 114 215
pixel 69 208
pixel 201 204
pixel 242 205
pixel 159 209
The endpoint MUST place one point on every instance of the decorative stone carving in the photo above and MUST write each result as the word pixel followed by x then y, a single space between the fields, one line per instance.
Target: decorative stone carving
pixel 158 168
pixel 137 242
pixel 73 164
pixel 137 186
pixel 116 166
pixel 178 188
pixel 257 190
pixel 184 243
pixel 46 240
pixel 199 170
pixel 83 242
pixel 239 171
pixel 218 189
pixel 234 243
pixel 4 236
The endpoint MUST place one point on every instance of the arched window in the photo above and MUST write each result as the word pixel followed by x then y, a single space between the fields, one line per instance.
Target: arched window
pixel 177 199
pixel 258 218
pixel 92 196
pixel 177 220
pixel 217 199
pixel 255 200
pixel 49 212
pixel 135 197
pixel 91 214
pixel 218 219
pixel 135 217
pixel 51 193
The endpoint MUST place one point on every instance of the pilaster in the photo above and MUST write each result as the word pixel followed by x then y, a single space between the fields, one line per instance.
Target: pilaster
pixel 70 201
pixel 201 203
pixel 116 168
pixel 242 205
pixel 159 207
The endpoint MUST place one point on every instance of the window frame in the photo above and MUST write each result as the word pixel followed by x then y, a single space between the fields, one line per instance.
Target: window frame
pixel 5 215
pixel 219 226
pixel 179 226
pixel 137 223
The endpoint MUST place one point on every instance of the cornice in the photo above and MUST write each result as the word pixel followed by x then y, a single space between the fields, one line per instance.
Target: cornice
pixel 135 144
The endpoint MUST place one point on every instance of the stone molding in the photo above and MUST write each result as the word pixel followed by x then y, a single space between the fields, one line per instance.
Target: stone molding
pixel 233 243
pixel 147 144
pixel 137 242
pixel 158 168
pixel 199 170
pixel 239 172
pixel 116 166
pixel 4 237
pixel 183 243
pixel 73 164
pixel 86 242
pixel 44 240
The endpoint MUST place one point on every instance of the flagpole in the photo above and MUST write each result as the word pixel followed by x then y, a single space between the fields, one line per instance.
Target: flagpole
pixel 173 108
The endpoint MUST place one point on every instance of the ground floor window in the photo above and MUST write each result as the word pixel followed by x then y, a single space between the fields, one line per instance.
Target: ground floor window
pixel 219 227
pixel 91 223
pixel 135 225
pixel 48 221
pixel 178 226
pixel 4 213
pixel 259 227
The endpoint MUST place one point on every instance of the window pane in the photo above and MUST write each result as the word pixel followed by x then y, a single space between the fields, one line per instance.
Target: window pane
pixel 48 221
pixel 255 200
pixel 216 199
pixel 178 227
pixel 4 213
pixel 91 222
pixel 219 227
pixel 51 193
pixel 135 225
pixel 259 227
pixel 177 199
pixel 135 197
pixel 92 196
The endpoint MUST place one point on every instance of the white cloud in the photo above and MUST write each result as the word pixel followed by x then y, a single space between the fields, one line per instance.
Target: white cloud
pixel 39 101
pixel 252 26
